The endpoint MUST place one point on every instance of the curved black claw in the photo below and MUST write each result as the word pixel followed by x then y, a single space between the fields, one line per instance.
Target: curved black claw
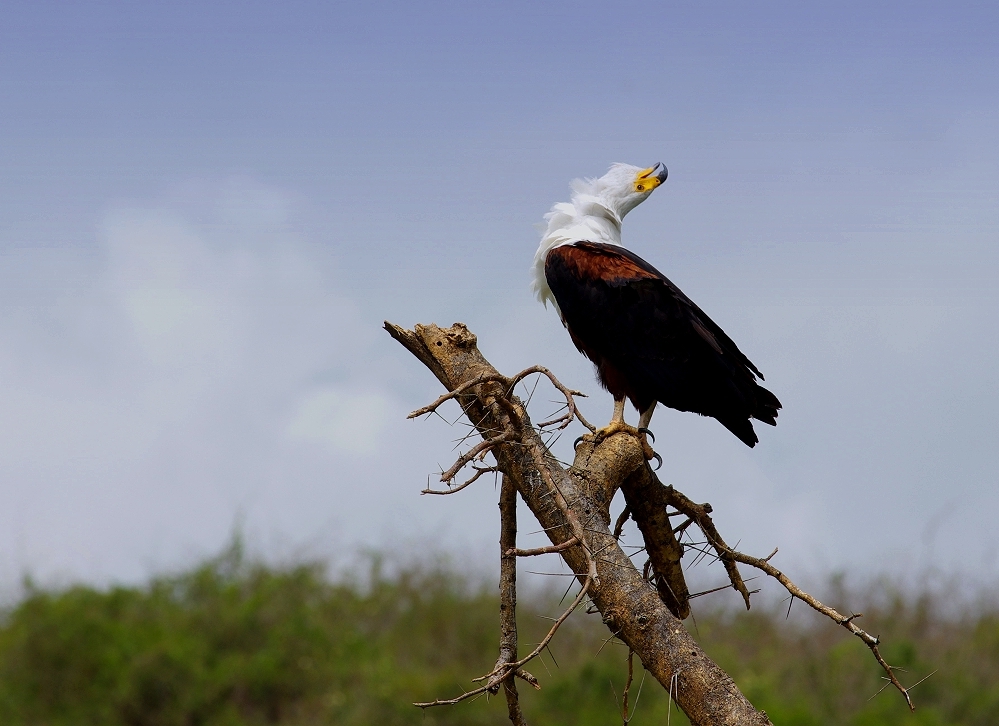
pixel 648 433
pixel 658 459
pixel 576 443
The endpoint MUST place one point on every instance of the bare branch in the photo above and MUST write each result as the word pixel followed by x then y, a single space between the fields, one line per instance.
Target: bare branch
pixel 700 513
pixel 869 640
pixel 508 597
pixel 468 385
pixel 573 503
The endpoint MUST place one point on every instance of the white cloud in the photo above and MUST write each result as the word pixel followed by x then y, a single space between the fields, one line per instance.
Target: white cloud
pixel 157 388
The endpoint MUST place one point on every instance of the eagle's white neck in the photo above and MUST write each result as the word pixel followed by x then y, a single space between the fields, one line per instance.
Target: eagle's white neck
pixel 585 218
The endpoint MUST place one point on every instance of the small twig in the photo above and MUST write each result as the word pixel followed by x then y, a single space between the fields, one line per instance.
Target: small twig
pixel 627 686
pixel 621 521
pixel 544 550
pixel 500 673
pixel 547 639
pixel 679 529
pixel 479 471
pixel 525 676
pixel 480 448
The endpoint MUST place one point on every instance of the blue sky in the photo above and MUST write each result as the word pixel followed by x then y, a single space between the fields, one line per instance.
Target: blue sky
pixel 207 209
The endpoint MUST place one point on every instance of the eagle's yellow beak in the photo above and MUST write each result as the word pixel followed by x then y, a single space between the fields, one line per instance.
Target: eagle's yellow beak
pixel 649 179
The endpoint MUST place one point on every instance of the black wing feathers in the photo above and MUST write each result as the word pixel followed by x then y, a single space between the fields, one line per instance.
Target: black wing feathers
pixel 650 342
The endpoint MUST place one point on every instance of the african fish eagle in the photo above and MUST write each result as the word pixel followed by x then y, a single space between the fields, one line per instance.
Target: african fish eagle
pixel 648 341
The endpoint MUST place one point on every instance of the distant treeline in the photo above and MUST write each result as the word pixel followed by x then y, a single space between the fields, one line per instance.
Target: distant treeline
pixel 237 642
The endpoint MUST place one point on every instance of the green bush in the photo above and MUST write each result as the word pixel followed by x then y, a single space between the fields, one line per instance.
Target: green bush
pixel 236 642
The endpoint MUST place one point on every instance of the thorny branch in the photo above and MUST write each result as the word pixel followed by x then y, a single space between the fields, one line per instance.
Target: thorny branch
pixel 572 411
pixel 508 600
pixel 572 506
pixel 871 641
pixel 511 383
pixel 480 449
pixel 507 666
pixel 700 514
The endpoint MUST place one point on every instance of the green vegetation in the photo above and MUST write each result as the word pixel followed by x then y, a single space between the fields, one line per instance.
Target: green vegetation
pixel 235 642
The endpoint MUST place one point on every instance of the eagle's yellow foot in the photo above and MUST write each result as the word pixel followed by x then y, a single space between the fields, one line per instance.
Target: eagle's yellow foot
pixel 620 427
pixel 614 427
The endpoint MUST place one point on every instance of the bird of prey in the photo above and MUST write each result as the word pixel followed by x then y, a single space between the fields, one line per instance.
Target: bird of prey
pixel 647 340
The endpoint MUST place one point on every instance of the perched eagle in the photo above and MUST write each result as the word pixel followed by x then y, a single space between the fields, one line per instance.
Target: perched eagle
pixel 648 341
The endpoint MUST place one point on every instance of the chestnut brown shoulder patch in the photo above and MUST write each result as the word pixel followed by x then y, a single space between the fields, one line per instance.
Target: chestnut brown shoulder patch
pixel 599 261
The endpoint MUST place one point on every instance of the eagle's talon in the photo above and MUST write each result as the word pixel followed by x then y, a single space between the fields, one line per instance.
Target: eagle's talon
pixel 576 442
pixel 643 430
pixel 659 461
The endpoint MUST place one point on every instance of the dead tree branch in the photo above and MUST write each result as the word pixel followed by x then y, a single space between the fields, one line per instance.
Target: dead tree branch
pixel 572 506
pixel 871 641
pixel 700 514
pixel 647 504
pixel 575 503
pixel 508 598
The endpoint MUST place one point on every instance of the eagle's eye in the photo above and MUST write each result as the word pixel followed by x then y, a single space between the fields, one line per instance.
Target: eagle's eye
pixel 641 187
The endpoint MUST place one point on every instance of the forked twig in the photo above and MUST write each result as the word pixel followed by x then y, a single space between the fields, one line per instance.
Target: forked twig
pixel 573 411
pixel 509 383
pixel 464 387
pixel 480 449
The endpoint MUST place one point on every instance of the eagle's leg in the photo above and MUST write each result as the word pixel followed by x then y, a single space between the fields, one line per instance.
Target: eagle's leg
pixel 643 430
pixel 618 417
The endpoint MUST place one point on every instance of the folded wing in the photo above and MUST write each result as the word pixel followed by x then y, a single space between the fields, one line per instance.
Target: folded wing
pixel 650 342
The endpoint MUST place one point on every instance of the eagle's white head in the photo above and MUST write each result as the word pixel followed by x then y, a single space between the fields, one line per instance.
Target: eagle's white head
pixel 620 190
pixel 594 214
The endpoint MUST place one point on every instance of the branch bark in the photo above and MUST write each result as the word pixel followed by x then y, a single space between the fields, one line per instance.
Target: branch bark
pixel 508 597
pixel 647 504
pixel 575 503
